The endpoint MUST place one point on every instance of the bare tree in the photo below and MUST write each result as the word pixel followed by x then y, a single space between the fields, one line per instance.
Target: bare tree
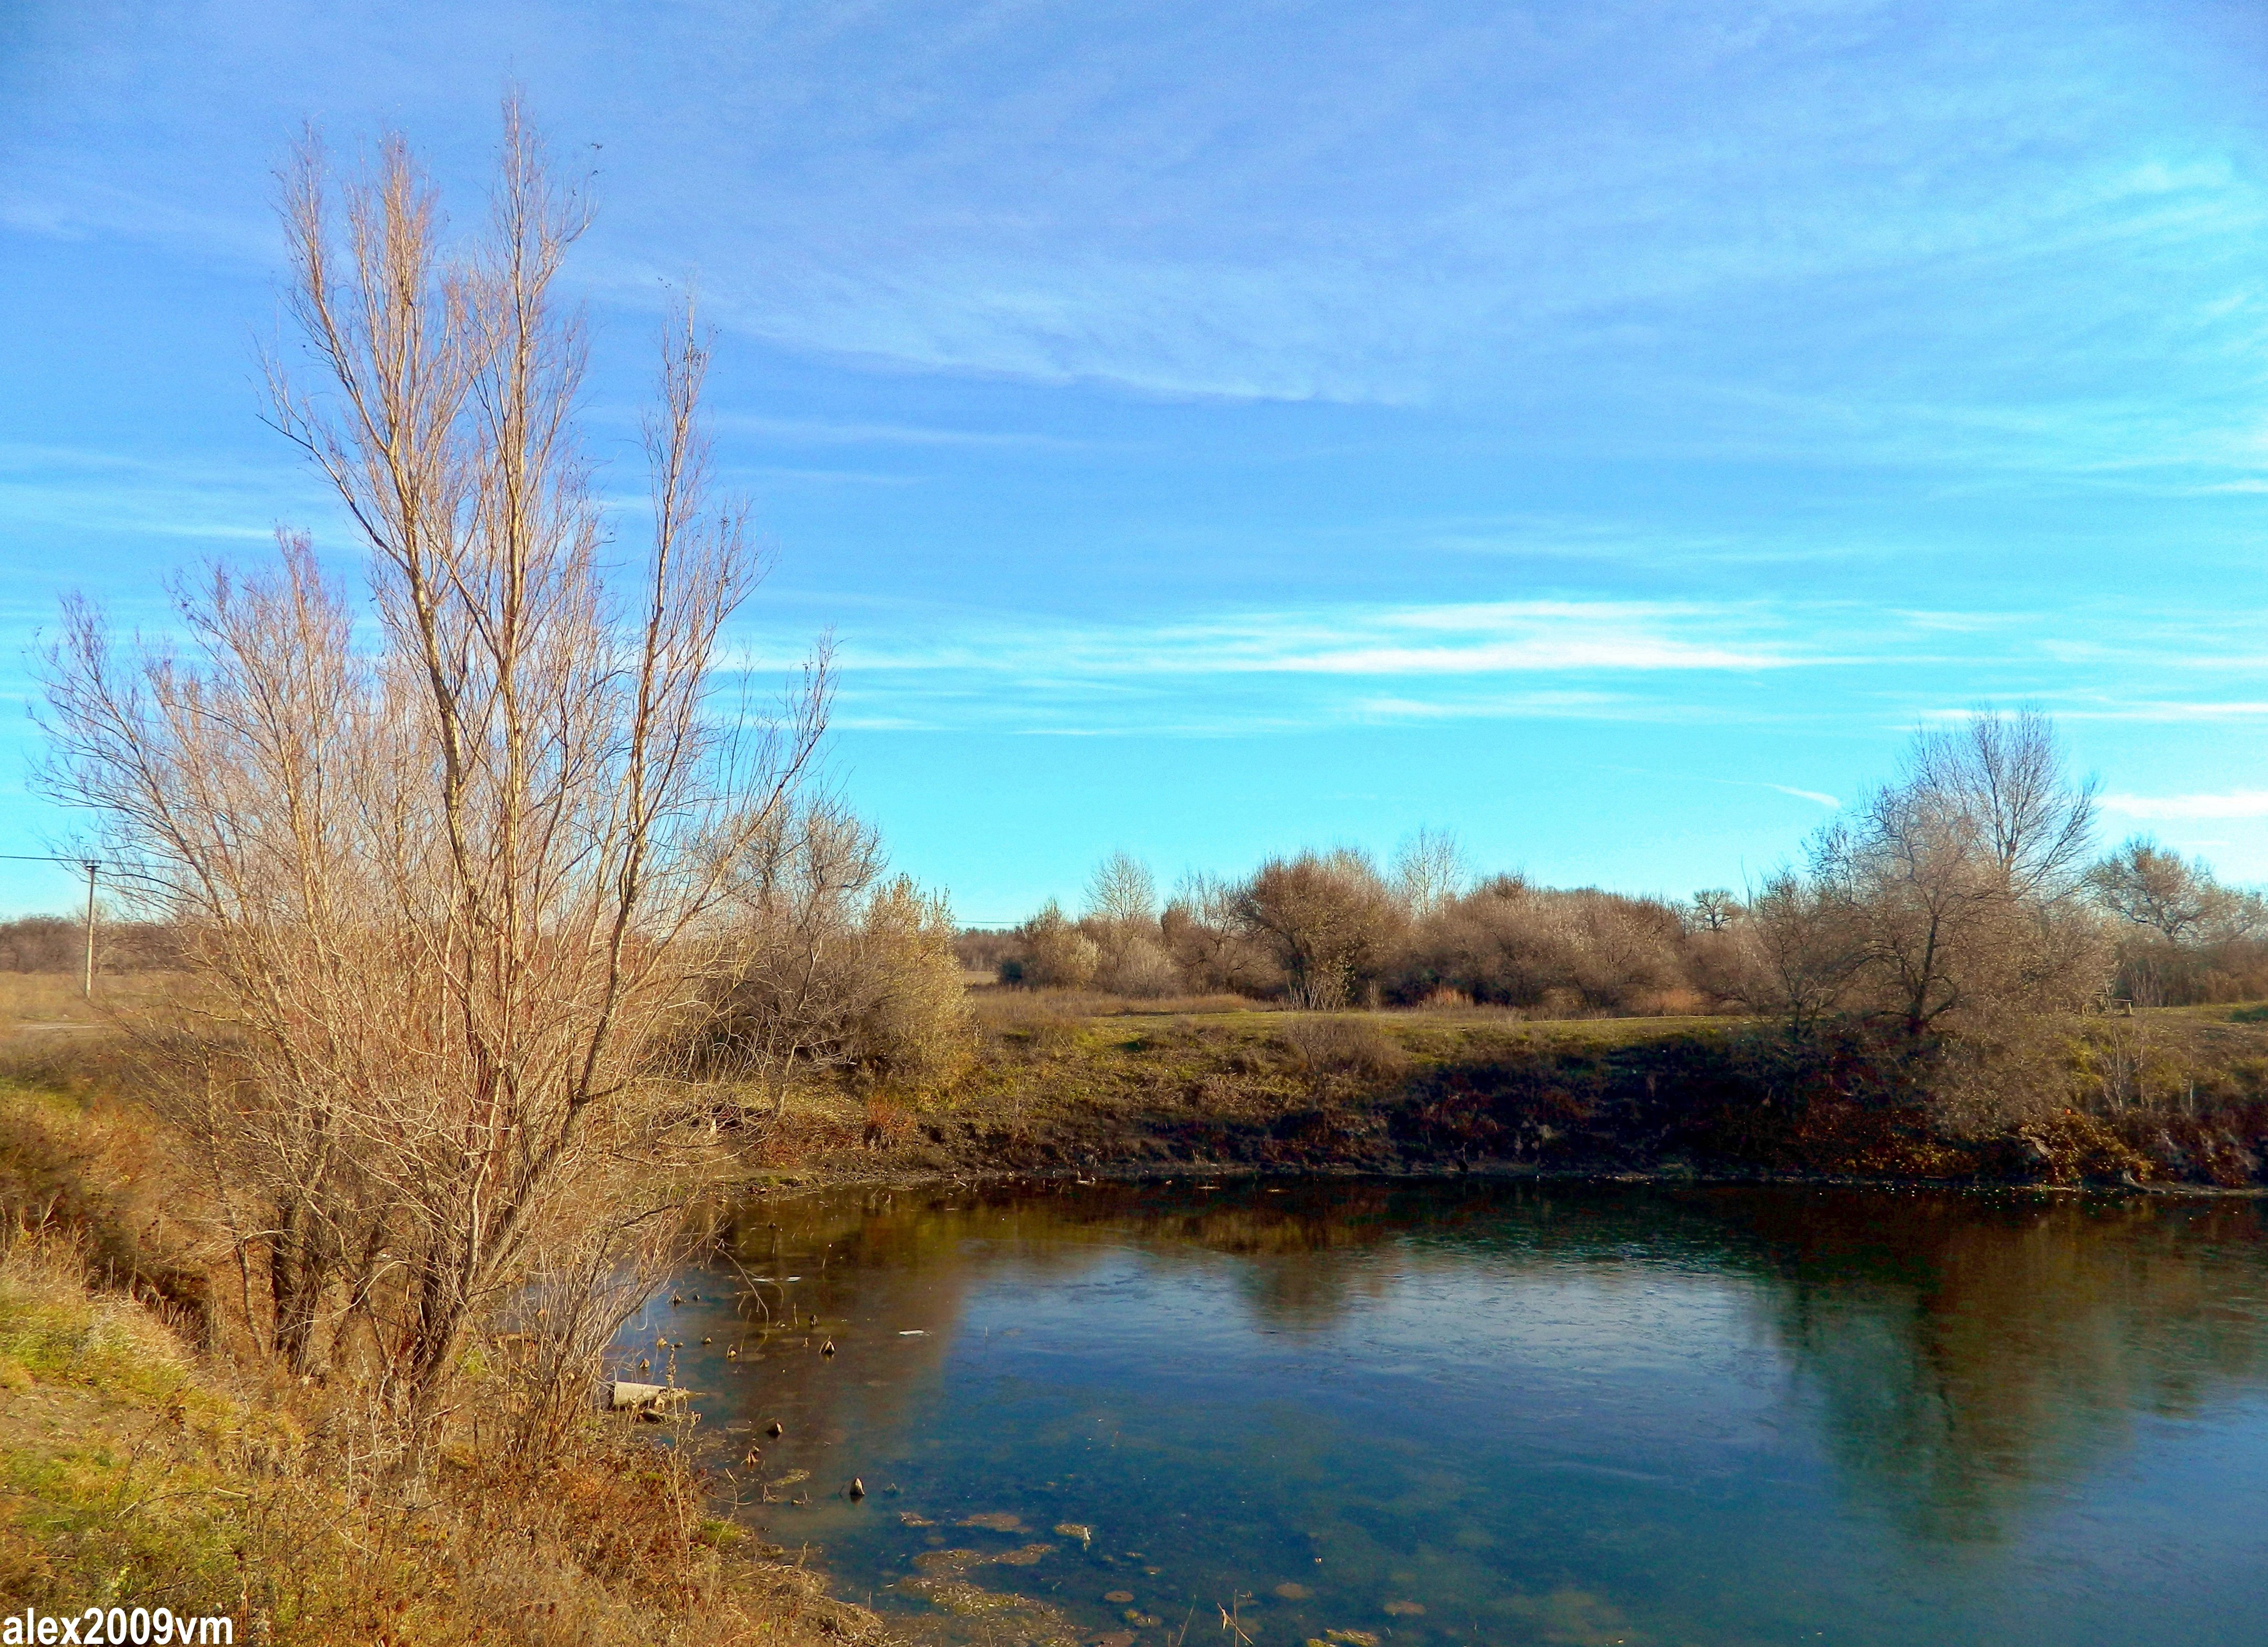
pixel 1123 893
pixel 1802 947
pixel 2003 777
pixel 2149 887
pixel 1715 908
pixel 439 887
pixel 1963 875
pixel 1209 944
pixel 1429 870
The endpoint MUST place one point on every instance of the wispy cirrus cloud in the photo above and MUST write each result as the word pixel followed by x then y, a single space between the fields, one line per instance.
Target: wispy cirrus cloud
pixel 79 489
pixel 1824 799
pixel 2228 803
pixel 1302 668
pixel 1369 641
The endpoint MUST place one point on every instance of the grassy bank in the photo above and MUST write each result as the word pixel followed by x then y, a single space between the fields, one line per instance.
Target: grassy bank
pixel 147 1460
pixel 2168 1097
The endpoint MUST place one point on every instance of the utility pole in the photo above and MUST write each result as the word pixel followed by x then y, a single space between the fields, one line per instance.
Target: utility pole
pixel 90 866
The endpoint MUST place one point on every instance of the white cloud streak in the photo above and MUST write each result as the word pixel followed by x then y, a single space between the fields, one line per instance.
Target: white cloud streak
pixel 2228 803
pixel 1399 643
pixel 1828 801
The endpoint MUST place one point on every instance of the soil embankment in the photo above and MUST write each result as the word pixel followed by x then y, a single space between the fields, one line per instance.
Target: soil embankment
pixel 2163 1100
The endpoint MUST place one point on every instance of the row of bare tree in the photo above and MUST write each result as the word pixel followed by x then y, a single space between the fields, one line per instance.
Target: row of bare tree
pixel 1963 888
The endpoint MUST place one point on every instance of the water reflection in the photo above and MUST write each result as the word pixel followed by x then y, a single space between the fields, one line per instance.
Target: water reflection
pixel 1968 1355
pixel 1491 1412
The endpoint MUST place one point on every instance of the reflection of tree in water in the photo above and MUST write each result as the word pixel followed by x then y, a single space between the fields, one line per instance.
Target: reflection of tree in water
pixel 1968 1354
pixel 1289 1234
pixel 1966 1351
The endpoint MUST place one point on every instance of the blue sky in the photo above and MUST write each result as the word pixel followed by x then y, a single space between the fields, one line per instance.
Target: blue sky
pixel 1603 430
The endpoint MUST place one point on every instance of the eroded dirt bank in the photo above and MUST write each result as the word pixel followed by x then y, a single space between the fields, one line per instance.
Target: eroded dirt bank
pixel 2166 1100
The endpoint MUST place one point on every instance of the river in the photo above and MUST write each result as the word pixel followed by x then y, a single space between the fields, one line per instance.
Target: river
pixel 1424 1412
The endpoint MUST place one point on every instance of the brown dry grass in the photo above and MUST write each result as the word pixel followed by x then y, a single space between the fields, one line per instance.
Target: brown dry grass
pixel 146 1458
pixel 31 1002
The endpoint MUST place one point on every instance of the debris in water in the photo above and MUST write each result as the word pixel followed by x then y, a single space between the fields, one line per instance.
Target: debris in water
pixel 995 1521
pixel 826 1349
pixel 908 1518
pixel 1405 1610
pixel 1118 1598
pixel 1072 1529
pixel 857 1488
pixel 774 1428
pixel 914 1332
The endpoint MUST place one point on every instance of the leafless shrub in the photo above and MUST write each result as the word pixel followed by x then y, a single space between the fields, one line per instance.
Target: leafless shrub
pixel 438 887
pixel 1328 1045
pixel 1509 944
pixel 816 969
pixel 1794 956
pixel 783 984
pixel 915 1030
pixel 1331 920
pixel 1209 945
pixel 1052 953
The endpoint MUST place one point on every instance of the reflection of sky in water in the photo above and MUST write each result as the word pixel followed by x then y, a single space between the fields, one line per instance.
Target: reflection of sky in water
pixel 1571 1417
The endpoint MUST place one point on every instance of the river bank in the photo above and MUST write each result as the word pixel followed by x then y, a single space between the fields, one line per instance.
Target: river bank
pixel 2171 1099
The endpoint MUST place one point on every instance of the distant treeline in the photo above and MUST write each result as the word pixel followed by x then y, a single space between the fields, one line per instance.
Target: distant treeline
pixel 51 943
pixel 1967 885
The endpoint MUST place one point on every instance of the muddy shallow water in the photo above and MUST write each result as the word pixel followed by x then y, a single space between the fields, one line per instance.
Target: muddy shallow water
pixel 1448 1412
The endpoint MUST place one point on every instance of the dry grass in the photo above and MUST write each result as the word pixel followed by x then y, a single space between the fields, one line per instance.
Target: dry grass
pixel 1003 1007
pixel 139 1463
pixel 132 1469
pixel 33 1003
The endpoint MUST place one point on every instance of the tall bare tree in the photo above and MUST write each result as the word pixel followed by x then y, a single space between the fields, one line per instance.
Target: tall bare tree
pixel 1963 875
pixel 1429 871
pixel 442 858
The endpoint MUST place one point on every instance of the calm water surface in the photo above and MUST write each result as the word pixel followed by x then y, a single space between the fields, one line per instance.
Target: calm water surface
pixel 1434 1414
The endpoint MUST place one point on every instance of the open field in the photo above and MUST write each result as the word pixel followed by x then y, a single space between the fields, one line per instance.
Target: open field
pixel 32 1003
